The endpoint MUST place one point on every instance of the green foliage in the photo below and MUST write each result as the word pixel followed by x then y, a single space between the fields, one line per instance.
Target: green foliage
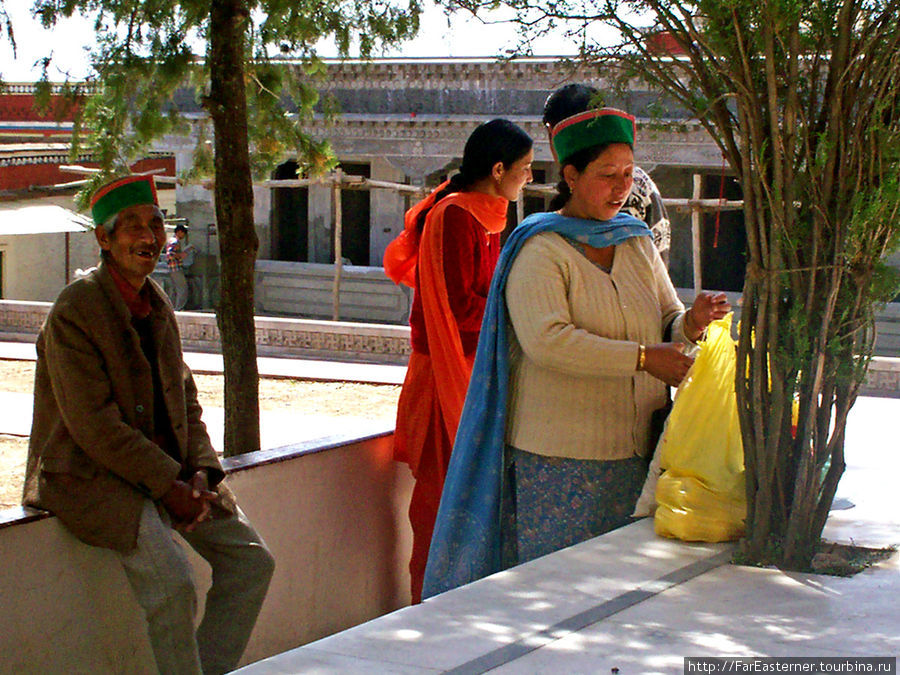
pixel 144 64
pixel 885 284
pixel 6 30
pixel 803 100
pixel 150 53
pixel 874 211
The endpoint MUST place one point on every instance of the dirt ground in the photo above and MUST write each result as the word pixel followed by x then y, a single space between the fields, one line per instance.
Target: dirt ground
pixel 369 401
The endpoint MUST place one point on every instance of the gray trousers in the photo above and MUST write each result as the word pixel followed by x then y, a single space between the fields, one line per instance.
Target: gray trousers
pixel 180 288
pixel 161 577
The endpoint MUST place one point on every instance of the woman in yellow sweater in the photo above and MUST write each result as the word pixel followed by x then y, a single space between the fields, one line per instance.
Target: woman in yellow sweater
pixel 555 432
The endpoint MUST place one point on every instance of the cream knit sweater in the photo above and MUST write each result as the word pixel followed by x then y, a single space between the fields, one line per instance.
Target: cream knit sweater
pixel 574 388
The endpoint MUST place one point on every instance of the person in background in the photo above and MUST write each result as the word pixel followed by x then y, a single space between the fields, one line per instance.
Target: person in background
pixel 447 252
pixel 179 257
pixel 571 364
pixel 644 202
pixel 119 452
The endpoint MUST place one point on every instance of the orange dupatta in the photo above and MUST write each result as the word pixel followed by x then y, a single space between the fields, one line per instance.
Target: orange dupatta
pixel 402 253
pixel 452 369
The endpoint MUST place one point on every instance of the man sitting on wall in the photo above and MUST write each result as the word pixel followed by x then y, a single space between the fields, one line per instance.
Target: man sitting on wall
pixel 120 455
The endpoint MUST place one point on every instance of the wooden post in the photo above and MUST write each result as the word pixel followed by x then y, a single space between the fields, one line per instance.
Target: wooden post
pixel 520 209
pixel 696 221
pixel 338 262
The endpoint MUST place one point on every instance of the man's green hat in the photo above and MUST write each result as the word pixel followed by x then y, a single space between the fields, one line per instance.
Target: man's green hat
pixel 120 194
pixel 591 128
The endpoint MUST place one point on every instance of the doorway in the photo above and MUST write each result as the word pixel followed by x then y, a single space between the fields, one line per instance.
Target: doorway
pixel 355 217
pixel 724 238
pixel 290 217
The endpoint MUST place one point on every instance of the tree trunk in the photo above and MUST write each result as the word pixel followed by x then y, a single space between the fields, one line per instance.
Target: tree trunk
pixel 238 242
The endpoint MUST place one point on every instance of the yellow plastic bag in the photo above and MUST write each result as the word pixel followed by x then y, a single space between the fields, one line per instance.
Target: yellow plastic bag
pixel 700 494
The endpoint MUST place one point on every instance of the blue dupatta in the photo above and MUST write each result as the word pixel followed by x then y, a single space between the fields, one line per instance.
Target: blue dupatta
pixel 468 536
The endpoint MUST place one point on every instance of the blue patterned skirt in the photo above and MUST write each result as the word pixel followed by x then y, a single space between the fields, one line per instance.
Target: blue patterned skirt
pixel 558 502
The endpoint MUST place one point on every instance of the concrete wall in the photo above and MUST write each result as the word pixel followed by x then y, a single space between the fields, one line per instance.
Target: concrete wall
pixel 887 329
pixel 674 183
pixel 385 343
pixel 387 211
pixel 262 211
pixel 336 522
pixel 320 223
pixel 193 201
pixel 307 289
pixel 334 518
pixel 65 607
pixel 275 336
pixel 34 265
pixel 197 204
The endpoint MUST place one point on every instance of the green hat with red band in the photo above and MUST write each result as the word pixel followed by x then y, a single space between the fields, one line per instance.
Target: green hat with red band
pixel 120 194
pixel 589 129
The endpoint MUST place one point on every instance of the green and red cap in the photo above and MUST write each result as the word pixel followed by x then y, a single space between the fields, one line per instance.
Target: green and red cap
pixel 120 194
pixel 591 128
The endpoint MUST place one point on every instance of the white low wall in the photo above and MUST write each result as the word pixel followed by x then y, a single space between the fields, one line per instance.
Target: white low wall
pixel 65 607
pixel 275 336
pixel 383 343
pixel 334 517
pixel 307 289
pixel 38 266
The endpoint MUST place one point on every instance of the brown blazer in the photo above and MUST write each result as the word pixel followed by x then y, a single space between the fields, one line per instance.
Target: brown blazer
pixel 90 460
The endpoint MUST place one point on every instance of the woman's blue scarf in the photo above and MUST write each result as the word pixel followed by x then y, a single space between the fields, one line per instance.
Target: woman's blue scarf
pixel 468 538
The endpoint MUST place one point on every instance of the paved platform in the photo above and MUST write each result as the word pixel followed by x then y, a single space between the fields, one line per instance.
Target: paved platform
pixel 631 602
pixel 277 428
pixel 309 369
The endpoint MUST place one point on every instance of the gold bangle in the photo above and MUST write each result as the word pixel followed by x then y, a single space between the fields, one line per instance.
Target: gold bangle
pixel 642 356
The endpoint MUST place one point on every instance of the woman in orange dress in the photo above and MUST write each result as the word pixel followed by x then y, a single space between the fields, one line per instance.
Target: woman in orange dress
pixel 448 252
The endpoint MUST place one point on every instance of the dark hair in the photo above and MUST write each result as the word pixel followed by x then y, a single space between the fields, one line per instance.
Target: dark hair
pixel 567 101
pixel 496 141
pixel 562 103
